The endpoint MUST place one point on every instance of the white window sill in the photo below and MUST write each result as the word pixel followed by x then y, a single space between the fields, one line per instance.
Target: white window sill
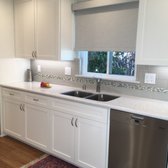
pixel 116 78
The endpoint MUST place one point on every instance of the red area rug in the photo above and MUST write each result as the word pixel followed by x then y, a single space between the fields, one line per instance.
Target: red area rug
pixel 49 162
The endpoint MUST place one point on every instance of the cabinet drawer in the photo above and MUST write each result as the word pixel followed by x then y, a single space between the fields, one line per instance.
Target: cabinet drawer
pixel 37 99
pixel 83 110
pixel 10 93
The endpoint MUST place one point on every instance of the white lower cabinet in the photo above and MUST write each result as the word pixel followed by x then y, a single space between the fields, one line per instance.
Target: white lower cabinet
pixel 63 135
pixel 90 143
pixel 79 140
pixel 37 120
pixel 75 132
pixel 14 118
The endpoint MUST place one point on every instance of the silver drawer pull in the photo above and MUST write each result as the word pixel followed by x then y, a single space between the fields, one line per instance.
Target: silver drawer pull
pixel 12 94
pixel 36 100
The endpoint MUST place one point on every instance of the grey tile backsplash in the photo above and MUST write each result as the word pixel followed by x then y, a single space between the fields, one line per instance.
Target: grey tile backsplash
pixel 53 71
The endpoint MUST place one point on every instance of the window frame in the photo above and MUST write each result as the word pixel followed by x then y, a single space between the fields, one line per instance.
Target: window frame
pixel 83 55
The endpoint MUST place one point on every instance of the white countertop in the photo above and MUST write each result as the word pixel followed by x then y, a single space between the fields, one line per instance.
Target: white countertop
pixel 137 105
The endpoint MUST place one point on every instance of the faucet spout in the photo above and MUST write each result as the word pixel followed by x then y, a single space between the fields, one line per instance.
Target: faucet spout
pixel 98 85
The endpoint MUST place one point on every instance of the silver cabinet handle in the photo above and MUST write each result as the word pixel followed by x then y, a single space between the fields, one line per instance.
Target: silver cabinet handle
pixel 23 107
pixel 20 107
pixel 11 94
pixel 33 54
pixel 76 123
pixel 72 120
pixel 36 100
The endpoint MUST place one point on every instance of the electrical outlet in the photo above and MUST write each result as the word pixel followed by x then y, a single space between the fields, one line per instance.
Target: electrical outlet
pixel 150 78
pixel 67 70
pixel 38 68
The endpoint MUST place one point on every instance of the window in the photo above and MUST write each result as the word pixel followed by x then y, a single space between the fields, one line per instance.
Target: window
pixel 112 64
pixel 97 62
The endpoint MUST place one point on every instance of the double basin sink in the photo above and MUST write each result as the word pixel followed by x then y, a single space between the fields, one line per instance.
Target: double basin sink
pixel 91 96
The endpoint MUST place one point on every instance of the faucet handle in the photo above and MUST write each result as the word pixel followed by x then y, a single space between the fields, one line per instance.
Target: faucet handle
pixel 84 86
pixel 98 85
pixel 98 80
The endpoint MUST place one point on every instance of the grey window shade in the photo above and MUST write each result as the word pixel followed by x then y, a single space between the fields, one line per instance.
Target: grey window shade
pixel 107 28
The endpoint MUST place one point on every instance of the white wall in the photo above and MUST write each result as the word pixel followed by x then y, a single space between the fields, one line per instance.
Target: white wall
pixel 13 70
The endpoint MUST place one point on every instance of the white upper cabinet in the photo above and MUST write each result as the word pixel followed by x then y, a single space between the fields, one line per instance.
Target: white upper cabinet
pixel 152 40
pixel 44 29
pixel 67 30
pixel 6 29
pixel 47 28
pixel 24 28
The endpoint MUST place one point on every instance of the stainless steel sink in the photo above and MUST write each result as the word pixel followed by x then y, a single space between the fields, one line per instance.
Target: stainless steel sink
pixel 91 96
pixel 102 97
pixel 77 93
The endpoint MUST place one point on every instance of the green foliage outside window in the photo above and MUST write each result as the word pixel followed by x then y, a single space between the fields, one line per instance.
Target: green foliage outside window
pixel 123 63
pixel 120 63
pixel 97 62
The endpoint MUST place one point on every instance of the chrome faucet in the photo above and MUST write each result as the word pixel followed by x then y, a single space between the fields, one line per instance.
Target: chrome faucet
pixel 84 87
pixel 98 85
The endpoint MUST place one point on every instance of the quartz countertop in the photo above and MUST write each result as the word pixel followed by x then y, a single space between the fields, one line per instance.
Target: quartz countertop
pixel 142 106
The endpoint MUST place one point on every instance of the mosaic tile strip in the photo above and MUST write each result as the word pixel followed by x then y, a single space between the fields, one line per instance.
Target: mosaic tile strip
pixel 103 82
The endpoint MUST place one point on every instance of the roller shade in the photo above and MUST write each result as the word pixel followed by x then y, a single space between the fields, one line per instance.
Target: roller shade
pixel 107 28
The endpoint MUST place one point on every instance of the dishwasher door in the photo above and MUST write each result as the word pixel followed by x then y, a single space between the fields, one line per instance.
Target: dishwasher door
pixel 137 141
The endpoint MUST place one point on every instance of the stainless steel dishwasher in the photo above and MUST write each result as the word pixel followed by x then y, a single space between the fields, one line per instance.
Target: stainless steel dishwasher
pixel 137 141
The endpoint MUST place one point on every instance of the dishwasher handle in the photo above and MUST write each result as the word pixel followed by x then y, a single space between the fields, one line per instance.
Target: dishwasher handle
pixel 135 117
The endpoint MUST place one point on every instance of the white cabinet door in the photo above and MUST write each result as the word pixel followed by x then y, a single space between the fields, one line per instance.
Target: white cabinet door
pixel 24 13
pixel 47 28
pixel 37 122
pixel 6 29
pixel 67 31
pixel 44 29
pixel 63 135
pixel 152 37
pixel 90 143
pixel 14 118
